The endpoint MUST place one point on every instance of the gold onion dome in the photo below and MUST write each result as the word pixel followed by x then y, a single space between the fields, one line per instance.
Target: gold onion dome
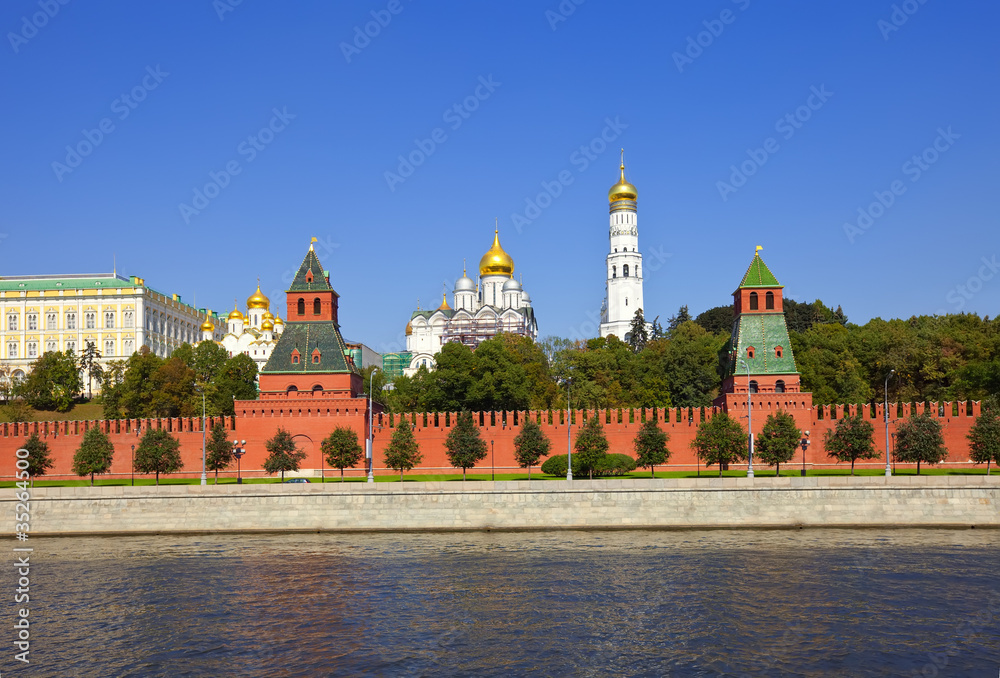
pixel 496 261
pixel 267 326
pixel 258 300
pixel 279 321
pixel 444 303
pixel 267 316
pixel 409 329
pixel 208 325
pixel 623 190
pixel 235 315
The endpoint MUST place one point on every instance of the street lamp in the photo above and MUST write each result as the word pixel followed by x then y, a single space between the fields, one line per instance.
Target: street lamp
pixel 569 431
pixel 805 445
pixel 239 449
pixel 493 466
pixel 885 412
pixel 368 446
pixel 749 419
pixel 204 478
pixel 133 466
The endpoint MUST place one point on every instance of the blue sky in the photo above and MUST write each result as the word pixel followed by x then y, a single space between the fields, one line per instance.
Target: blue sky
pixel 691 90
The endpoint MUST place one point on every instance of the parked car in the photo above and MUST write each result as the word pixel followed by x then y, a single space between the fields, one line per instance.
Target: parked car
pixel 297 480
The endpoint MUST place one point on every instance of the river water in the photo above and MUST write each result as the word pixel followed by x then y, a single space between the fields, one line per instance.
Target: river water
pixel 622 603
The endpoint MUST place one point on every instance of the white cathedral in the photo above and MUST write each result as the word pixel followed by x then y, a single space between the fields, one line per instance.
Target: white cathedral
pixel 623 295
pixel 496 305
pixel 254 333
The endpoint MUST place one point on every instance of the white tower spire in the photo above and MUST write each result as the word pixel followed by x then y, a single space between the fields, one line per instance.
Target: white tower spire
pixel 624 262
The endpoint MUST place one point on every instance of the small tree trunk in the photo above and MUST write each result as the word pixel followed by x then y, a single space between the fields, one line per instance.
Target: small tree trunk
pixel 216 476
pixel 400 475
pixel 988 466
pixel 652 471
pixel 852 467
pixel 529 471
pixel 777 473
pixel 341 475
pixel 157 478
pixel 918 467
pixel 91 479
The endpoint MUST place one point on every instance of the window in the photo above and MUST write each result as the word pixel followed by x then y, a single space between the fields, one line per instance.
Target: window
pixel 317 390
pixel 769 301
pixel 750 352
pixel 753 301
pixel 316 306
pixel 12 323
pixel 779 386
pixel 626 301
pixel 32 321
pixel 753 386
pixel 50 321
pixel 128 347
pixel 777 351
pixel 89 320
pixel 128 318
pixel 50 346
pixel 11 349
pixel 625 271
pixel 109 320
pixel 71 321
pixel 295 358
pixel 315 357
pixel 71 346
pixel 301 308
pixel 292 389
pixel 109 348
pixel 32 349
pixel 614 271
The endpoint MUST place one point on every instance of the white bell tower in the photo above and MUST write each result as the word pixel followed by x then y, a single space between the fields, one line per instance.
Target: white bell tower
pixel 624 262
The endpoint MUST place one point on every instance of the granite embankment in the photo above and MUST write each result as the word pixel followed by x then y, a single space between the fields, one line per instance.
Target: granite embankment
pixel 927 501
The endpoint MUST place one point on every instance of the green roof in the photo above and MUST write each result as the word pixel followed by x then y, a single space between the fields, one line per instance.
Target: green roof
pixel 301 281
pixel 307 337
pixel 759 275
pixel 19 283
pixel 765 332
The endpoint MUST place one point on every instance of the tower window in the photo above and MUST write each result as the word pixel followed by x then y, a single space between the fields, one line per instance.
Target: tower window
pixel 753 301
pixel 750 352
pixel 769 301
pixel 316 306
pixel 626 301
pixel 625 270
pixel 779 386
pixel 301 307
pixel 753 386
pixel 614 271
pixel 777 351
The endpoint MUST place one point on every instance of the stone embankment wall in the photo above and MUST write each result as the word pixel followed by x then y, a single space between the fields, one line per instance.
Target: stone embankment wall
pixel 787 502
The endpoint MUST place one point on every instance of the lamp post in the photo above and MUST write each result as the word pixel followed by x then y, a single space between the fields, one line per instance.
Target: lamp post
pixel 368 445
pixel 493 467
pixel 749 419
pixel 239 448
pixel 204 478
pixel 885 412
pixel 805 445
pixel 569 431
pixel 133 466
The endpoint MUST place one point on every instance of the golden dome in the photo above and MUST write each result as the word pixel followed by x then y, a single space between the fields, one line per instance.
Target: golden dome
pixel 267 326
pixel 623 190
pixel 235 315
pixel 208 325
pixel 258 300
pixel 409 329
pixel 267 316
pixel 444 303
pixel 279 321
pixel 496 261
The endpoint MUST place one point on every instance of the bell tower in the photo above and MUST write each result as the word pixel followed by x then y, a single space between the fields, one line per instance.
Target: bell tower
pixel 623 296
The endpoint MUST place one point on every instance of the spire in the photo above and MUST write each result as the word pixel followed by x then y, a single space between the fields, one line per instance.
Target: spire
pixel 311 242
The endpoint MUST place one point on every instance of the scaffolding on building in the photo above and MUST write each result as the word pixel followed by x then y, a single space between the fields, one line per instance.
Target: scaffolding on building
pixel 474 331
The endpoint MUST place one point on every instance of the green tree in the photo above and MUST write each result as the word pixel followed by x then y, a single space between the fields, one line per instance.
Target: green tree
pixel 284 454
pixel 851 440
pixel 39 458
pixel 94 454
pixel 465 447
pixel 447 386
pixel 158 452
pixel 720 440
pixel 112 388
pixel 341 449
pixel 656 330
pixel 403 452
pixel 174 393
pixel 717 320
pixel 984 439
pixel 591 446
pixel 138 387
pixel 637 335
pixel 219 450
pixel 778 440
pixel 651 446
pixel 89 364
pixel 53 382
pixel 676 321
pixel 237 380
pixel 530 445
pixel 919 439
pixel 497 380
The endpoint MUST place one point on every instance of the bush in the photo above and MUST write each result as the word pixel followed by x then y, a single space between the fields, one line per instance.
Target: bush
pixel 610 465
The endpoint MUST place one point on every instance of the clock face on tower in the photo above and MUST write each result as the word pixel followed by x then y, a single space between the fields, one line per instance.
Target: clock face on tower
pixel 624 230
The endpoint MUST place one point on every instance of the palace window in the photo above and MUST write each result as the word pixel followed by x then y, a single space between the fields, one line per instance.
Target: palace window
pixel 625 271
pixel 109 320
pixel 12 323
pixel 769 301
pixel 301 307
pixel 753 386
pixel 777 351
pixel 128 347
pixel 779 386
pixel 109 348
pixel 90 320
pixel 11 349
pixel 50 346
pixel 50 321
pixel 316 306
pixel 129 318
pixel 71 321
pixel 32 349
pixel 750 352
pixel 71 346
pixel 753 301
pixel 32 321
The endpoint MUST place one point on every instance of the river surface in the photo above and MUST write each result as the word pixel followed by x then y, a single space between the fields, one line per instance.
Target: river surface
pixel 620 603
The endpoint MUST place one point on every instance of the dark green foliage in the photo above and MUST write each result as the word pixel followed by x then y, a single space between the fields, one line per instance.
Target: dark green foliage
pixel 851 440
pixel 720 440
pixel 717 320
pixel 637 335
pixel 94 454
pixel 676 321
pixel 111 388
pixel 157 452
pixel 39 458
pixel 465 447
pixel 89 365
pixel 530 445
pixel 919 439
pixel 218 451
pixel 591 446
pixel 651 446
pixel 403 451
pixel 341 449
pixel 778 440
pixel 53 382
pixel 284 454
pixel 984 439
pixel 609 465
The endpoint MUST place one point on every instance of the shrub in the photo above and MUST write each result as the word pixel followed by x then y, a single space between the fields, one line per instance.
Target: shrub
pixel 609 465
